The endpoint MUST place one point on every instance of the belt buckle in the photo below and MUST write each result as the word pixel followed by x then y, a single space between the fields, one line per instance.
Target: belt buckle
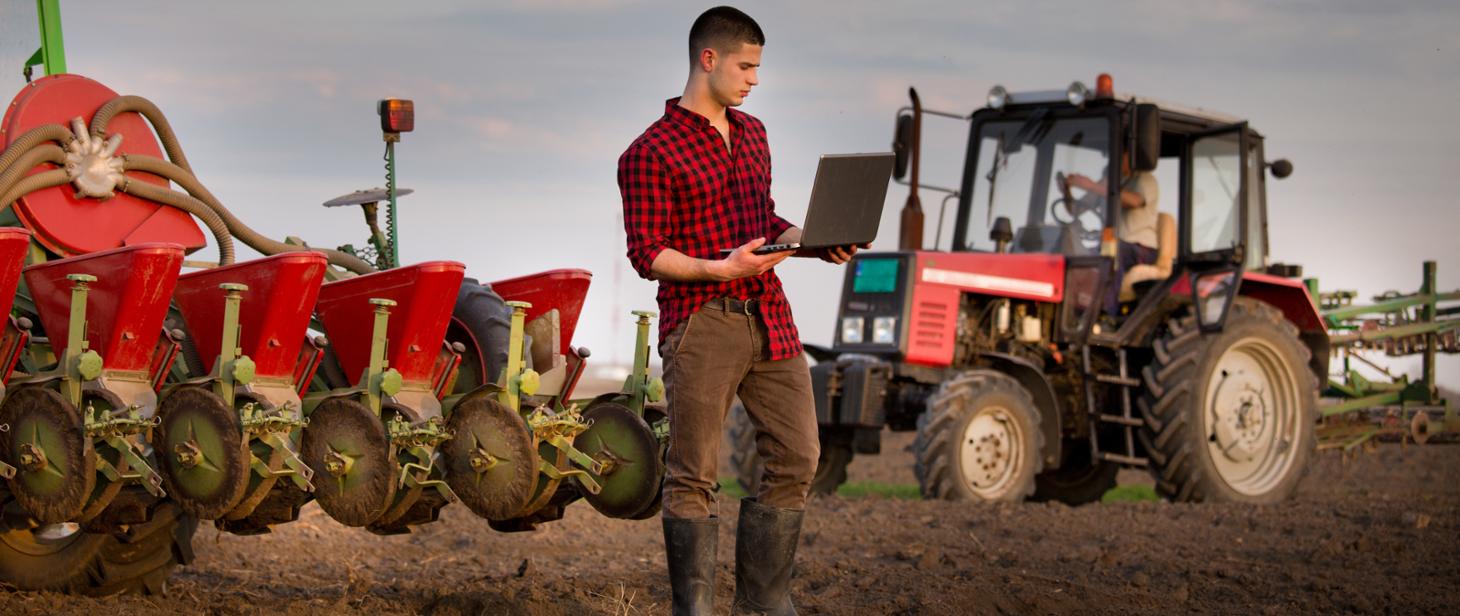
pixel 748 307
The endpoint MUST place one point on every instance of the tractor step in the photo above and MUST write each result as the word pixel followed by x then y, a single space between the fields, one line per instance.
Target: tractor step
pixel 1120 459
pixel 1123 381
pixel 1133 422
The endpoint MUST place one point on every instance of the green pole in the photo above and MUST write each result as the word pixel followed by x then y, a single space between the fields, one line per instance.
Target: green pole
pixel 53 48
pixel 1427 315
pixel 390 216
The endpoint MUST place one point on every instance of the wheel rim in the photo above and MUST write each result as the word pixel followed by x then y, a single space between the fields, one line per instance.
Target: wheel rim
pixel 991 451
pixel 1251 416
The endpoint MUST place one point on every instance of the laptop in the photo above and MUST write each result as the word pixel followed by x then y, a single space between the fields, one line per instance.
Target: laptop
pixel 846 202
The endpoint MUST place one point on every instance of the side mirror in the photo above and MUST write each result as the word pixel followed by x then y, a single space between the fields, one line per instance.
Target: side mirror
pixel 1147 137
pixel 902 142
pixel 1281 168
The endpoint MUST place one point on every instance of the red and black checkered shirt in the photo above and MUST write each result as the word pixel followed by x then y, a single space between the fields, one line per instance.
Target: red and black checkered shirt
pixel 683 190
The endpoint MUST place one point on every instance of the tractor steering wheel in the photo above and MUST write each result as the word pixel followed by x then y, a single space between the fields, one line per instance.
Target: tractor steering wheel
pixel 1074 209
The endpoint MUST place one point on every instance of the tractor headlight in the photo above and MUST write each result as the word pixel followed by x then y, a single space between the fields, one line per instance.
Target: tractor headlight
pixel 884 330
pixel 852 330
pixel 998 96
pixel 1077 93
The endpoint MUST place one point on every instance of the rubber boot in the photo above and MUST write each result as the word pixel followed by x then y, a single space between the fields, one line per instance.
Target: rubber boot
pixel 689 548
pixel 765 551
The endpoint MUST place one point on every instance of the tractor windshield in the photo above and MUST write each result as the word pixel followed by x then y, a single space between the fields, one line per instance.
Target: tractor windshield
pixel 19 40
pixel 1047 176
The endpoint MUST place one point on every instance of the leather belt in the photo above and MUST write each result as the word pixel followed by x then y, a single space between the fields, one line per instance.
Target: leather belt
pixel 737 306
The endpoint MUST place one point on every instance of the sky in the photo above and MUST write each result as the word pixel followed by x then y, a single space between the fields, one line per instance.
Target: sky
pixel 522 109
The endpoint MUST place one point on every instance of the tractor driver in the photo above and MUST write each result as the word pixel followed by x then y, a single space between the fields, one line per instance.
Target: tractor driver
pixel 695 182
pixel 1136 229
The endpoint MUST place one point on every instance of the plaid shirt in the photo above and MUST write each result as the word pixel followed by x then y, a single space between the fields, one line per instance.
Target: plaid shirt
pixel 683 190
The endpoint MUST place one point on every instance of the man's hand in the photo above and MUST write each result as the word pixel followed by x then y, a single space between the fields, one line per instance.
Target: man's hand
pixel 840 254
pixel 744 262
pixel 1083 182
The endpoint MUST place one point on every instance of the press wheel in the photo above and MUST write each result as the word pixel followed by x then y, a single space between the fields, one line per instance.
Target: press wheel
pixel 354 465
pixel 202 452
pixel 490 461
pixel 54 460
pixel 621 439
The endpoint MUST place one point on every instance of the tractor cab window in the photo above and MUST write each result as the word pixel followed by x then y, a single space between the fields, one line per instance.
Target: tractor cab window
pixel 1022 172
pixel 1215 172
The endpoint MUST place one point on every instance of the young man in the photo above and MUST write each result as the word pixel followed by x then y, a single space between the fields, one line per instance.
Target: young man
pixel 696 182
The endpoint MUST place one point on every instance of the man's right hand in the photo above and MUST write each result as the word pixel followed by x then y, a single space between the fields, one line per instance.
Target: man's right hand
pixel 743 261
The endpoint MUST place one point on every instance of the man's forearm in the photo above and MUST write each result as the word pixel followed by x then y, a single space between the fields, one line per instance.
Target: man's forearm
pixel 674 265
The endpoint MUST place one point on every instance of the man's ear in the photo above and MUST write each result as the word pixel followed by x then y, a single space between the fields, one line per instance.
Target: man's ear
pixel 707 59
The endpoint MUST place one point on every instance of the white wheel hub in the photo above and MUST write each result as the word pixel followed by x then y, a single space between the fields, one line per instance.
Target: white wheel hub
pixel 1251 414
pixel 989 450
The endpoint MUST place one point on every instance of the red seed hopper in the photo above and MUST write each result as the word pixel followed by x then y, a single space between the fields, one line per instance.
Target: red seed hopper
pixel 273 315
pixel 126 304
pixel 13 245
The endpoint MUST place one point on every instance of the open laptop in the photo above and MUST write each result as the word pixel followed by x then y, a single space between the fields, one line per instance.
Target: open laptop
pixel 846 202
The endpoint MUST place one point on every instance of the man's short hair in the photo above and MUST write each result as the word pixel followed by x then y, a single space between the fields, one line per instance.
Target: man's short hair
pixel 724 29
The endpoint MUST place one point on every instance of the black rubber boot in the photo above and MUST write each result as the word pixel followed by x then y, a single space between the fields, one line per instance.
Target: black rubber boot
pixel 765 551
pixel 689 547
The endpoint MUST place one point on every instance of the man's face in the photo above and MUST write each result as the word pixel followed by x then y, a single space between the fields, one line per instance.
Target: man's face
pixel 734 74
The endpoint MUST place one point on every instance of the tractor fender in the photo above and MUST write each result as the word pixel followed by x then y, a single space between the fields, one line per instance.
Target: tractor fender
pixel 1033 379
pixel 1291 298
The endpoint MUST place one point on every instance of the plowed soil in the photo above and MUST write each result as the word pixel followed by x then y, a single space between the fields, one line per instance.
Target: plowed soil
pixel 1377 533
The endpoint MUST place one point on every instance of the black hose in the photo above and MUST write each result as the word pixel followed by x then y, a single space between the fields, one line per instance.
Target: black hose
pixel 190 205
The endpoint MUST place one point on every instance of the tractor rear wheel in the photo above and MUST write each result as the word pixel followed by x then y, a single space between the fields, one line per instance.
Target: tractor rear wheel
pixel 1230 416
pixel 831 465
pixel 979 440
pixel 1077 481
pixel 61 557
pixel 482 322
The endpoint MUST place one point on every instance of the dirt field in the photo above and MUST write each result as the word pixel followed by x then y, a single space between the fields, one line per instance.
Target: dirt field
pixel 1376 534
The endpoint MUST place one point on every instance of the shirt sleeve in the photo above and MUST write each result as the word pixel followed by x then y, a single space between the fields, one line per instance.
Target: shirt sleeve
pixel 648 201
pixel 1150 190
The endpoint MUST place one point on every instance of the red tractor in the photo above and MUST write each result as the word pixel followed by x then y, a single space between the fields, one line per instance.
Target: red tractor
pixel 1001 354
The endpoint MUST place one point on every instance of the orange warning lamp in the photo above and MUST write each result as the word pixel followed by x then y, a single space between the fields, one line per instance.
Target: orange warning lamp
pixel 1104 86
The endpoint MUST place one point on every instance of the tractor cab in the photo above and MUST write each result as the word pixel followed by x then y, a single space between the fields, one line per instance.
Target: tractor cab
pixel 1038 179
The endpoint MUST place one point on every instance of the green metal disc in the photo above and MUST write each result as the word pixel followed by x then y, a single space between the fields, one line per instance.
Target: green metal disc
pixel 202 453
pixel 621 439
pixel 354 465
pixel 54 460
pixel 653 415
pixel 490 462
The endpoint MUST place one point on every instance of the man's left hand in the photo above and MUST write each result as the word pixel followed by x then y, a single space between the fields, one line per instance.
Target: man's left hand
pixel 840 254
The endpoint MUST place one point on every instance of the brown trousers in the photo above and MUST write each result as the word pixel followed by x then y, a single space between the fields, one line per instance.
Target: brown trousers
pixel 709 359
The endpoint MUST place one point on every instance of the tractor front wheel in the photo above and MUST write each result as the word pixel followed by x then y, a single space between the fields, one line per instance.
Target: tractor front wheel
pixel 979 440
pixel 1230 416
pixel 62 557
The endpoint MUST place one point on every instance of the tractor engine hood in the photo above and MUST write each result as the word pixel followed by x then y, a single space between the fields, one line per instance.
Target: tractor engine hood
pixel 1038 277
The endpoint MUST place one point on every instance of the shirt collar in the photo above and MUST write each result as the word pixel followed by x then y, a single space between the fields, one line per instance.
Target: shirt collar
pixel 674 112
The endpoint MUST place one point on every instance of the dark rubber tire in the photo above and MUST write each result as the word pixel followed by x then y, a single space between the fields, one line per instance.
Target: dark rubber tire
pixel 831 465
pixel 1077 481
pixel 1185 361
pixel 138 561
pixel 938 449
pixel 482 322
